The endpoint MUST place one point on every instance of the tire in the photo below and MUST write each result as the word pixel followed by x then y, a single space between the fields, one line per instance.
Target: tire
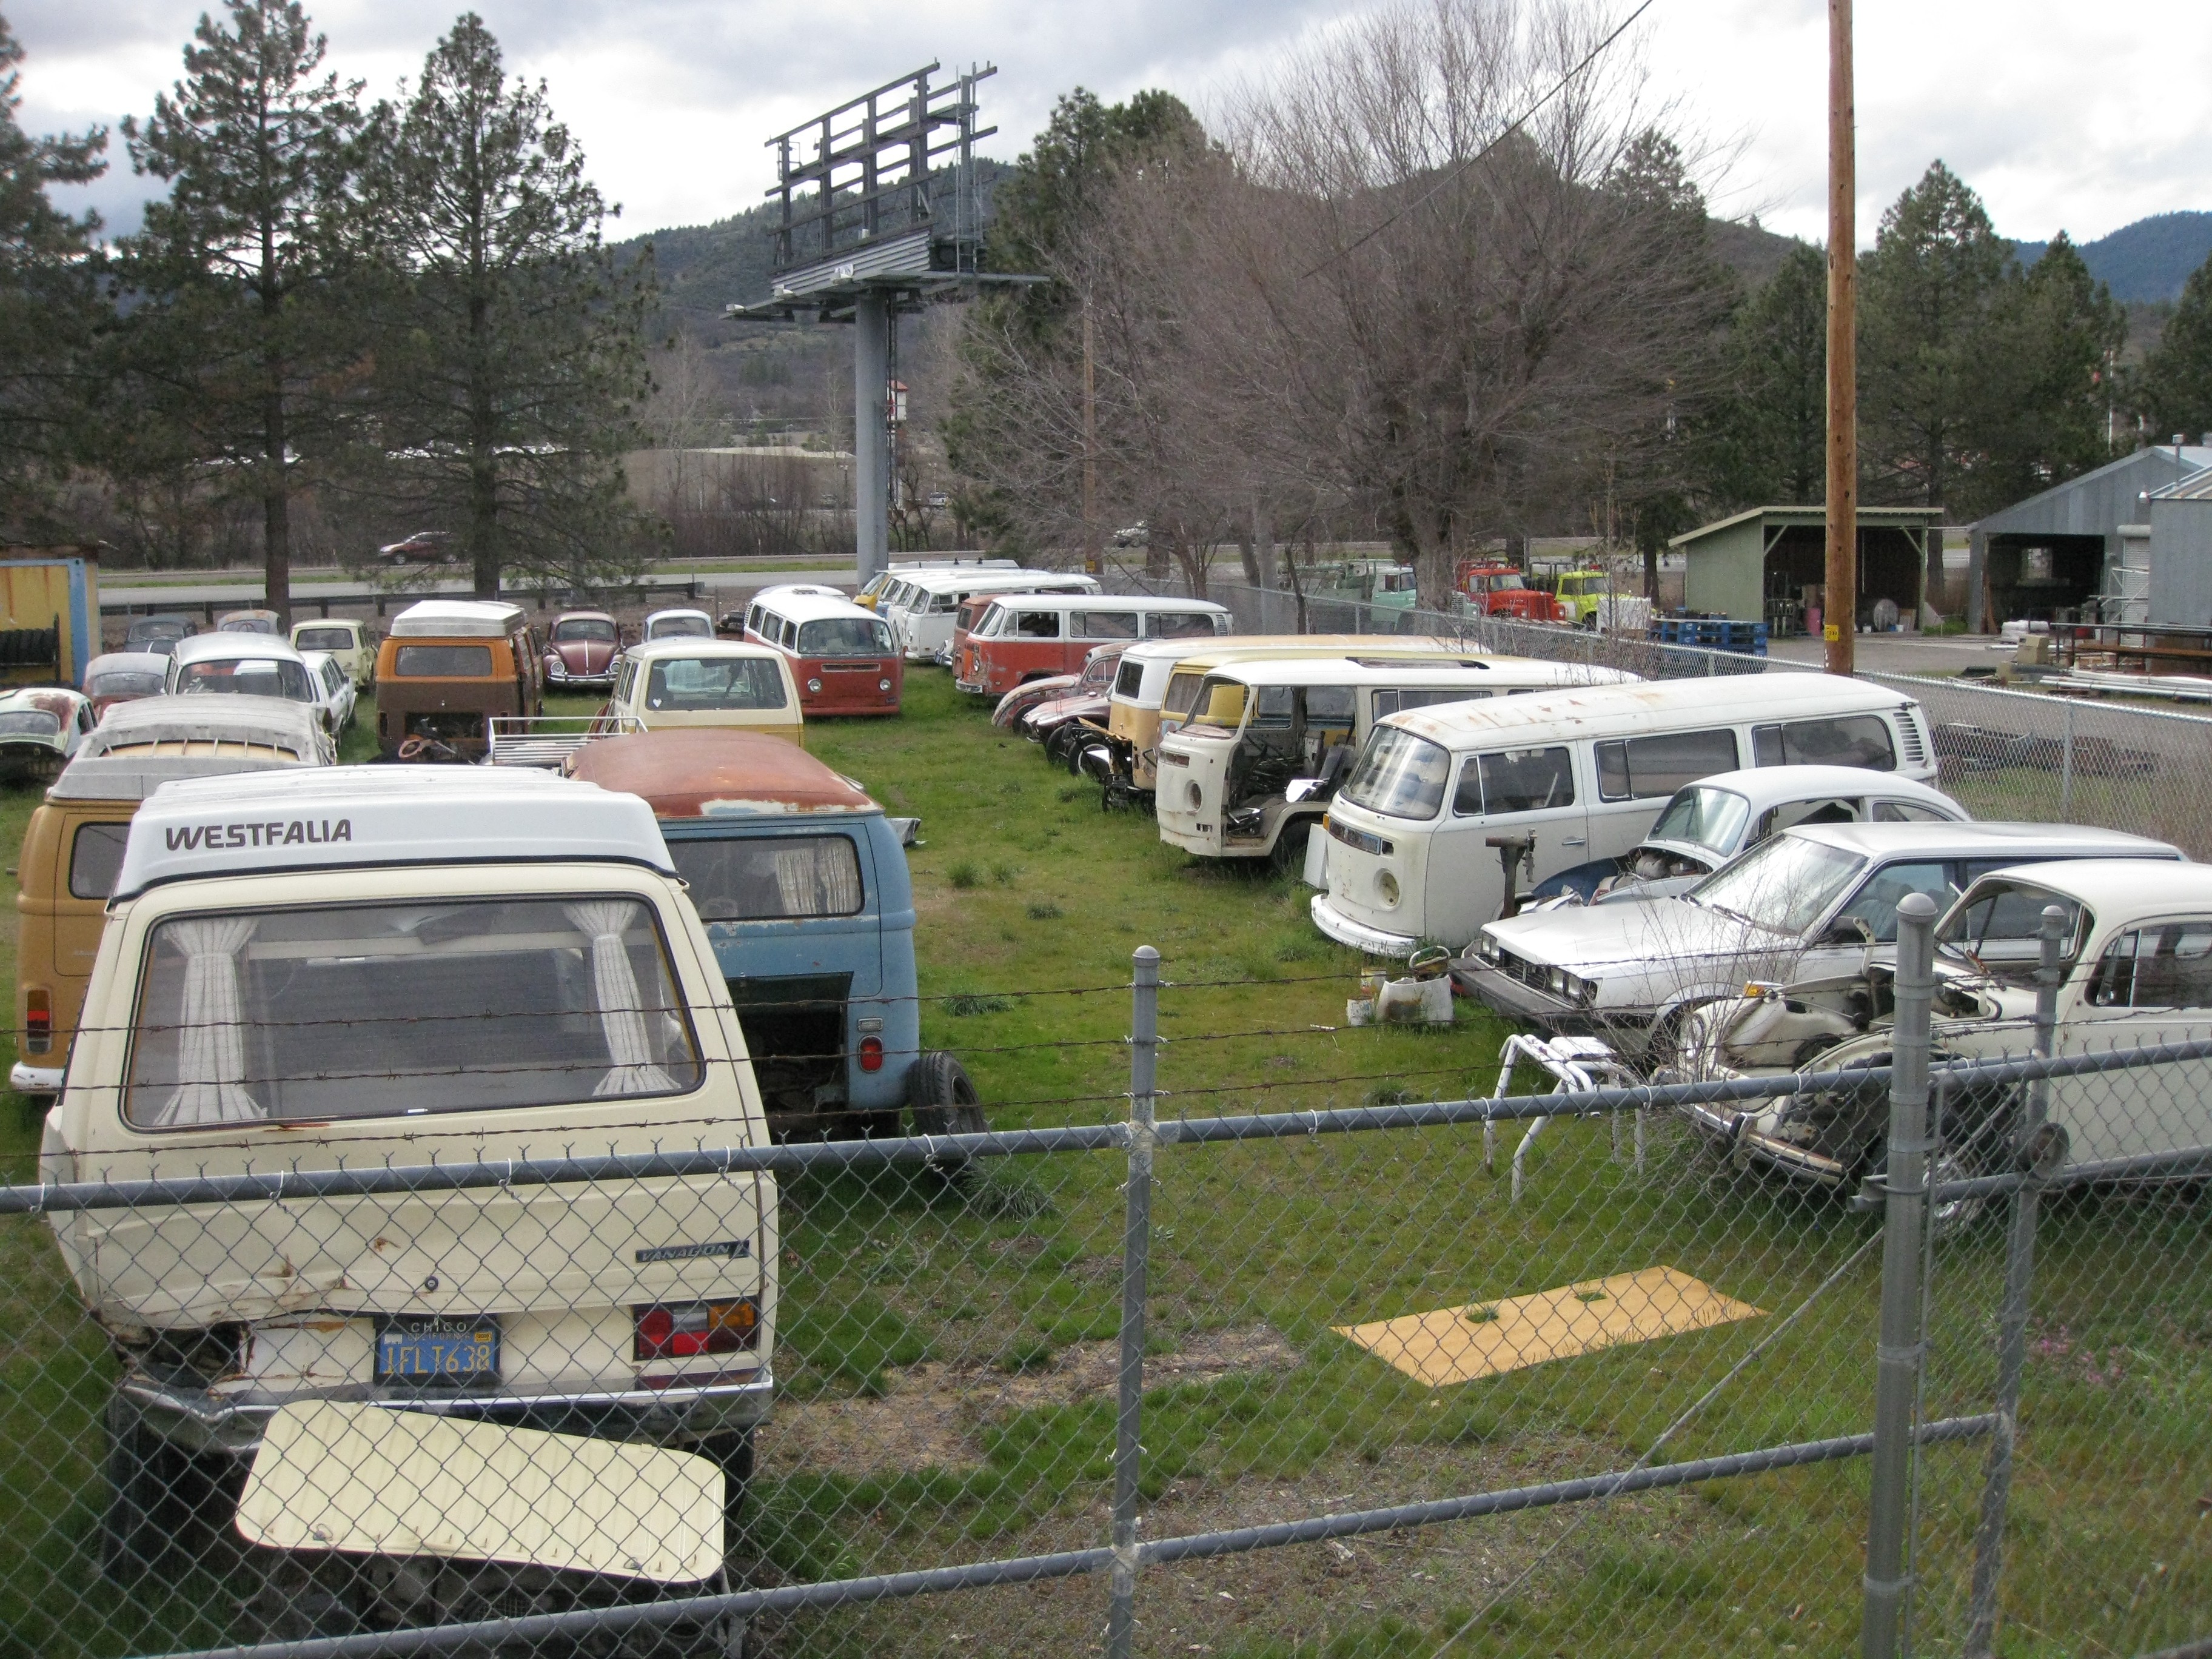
pixel 132 1530
pixel 734 1451
pixel 942 1101
pixel 1288 856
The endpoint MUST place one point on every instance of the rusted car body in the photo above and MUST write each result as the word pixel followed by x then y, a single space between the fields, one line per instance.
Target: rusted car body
pixel 124 676
pixel 1095 677
pixel 583 651
pixel 40 726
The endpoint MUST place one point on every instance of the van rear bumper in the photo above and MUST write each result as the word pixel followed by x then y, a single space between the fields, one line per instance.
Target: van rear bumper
pixel 1344 931
pixel 200 1421
pixel 34 1079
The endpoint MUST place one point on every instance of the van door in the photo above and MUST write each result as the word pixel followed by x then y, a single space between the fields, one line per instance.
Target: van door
pixel 1533 792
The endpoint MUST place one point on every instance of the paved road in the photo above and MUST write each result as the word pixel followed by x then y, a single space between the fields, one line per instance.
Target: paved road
pixel 1902 654
pixel 248 591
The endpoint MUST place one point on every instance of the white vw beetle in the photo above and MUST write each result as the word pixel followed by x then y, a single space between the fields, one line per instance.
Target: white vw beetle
pixel 2137 962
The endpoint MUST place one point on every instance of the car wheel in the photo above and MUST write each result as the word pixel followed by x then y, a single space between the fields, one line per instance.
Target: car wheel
pixel 734 1452
pixel 131 1533
pixel 941 1100
pixel 1289 854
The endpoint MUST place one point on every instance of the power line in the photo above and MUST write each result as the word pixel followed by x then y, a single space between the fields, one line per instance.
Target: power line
pixel 1517 123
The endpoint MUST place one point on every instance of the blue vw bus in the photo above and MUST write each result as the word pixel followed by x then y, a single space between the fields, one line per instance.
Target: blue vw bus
pixel 802 883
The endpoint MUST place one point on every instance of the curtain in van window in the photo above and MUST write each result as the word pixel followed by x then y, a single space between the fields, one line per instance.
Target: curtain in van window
pixel 614 990
pixel 211 1041
pixel 817 878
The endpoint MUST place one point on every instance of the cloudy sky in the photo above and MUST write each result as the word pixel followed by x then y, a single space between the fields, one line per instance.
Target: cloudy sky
pixel 2061 115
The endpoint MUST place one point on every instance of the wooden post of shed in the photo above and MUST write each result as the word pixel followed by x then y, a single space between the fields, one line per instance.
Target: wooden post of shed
pixel 1839 602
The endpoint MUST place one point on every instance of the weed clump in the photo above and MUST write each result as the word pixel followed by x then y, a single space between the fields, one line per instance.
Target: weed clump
pixel 1046 911
pixel 1025 1353
pixel 966 1003
pixel 1004 872
pixel 965 874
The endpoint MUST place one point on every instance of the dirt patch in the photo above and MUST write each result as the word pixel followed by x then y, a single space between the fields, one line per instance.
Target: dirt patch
pixel 929 1416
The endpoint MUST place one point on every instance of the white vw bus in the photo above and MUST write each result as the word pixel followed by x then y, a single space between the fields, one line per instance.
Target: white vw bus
pixel 356 966
pixel 921 605
pixel 1578 776
pixel 1249 773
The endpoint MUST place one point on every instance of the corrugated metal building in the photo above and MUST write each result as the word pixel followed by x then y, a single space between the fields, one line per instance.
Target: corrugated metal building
pixel 1769 564
pixel 2179 554
pixel 2059 548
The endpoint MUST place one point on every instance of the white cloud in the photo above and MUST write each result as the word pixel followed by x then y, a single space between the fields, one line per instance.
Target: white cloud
pixel 2060 114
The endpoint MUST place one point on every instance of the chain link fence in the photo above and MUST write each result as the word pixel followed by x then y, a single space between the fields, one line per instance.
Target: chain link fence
pixel 1184 1371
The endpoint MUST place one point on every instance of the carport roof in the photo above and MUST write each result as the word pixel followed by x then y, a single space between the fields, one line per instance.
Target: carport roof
pixel 1896 518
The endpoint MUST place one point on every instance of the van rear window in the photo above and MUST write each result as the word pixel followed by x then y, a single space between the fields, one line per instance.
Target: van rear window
pixel 324 639
pixel 771 878
pixel 385 1010
pixel 1128 679
pixel 96 859
pixel 1654 767
pixel 443 662
pixel 1834 740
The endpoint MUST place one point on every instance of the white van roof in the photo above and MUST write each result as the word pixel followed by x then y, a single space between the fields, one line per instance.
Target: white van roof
pixel 236 648
pixel 699 645
pixel 490 619
pixel 1145 602
pixel 968 579
pixel 1605 710
pixel 798 604
pixel 323 818
pixel 1413 671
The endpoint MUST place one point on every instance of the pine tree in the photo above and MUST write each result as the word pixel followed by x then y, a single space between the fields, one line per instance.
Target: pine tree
pixel 2176 374
pixel 1925 294
pixel 47 301
pixel 236 267
pixel 508 356
pixel 2040 408
pixel 1768 441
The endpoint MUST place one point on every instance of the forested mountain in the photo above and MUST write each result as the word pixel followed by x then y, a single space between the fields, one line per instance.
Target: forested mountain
pixel 2145 262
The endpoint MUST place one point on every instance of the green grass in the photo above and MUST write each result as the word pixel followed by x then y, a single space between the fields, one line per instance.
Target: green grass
pixel 1005 1279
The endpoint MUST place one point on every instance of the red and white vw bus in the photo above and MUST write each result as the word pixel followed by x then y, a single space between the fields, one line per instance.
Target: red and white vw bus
pixel 841 653
pixel 1027 636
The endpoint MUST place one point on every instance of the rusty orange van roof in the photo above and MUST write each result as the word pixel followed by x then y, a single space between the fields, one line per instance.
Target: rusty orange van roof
pixel 700 773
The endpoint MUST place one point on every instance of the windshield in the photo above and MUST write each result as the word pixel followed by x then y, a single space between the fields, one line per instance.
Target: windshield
pixel 252 677
pixel 1710 818
pixel 1785 885
pixel 123 683
pixel 1998 925
pixel 693 684
pixel 384 1010
pixel 29 723
pixel 843 636
pixel 584 630
pixel 1400 776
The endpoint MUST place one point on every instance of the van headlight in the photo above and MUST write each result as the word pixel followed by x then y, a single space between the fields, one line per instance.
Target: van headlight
pixel 814 685
pixel 1386 889
pixel 883 685
pixel 1197 796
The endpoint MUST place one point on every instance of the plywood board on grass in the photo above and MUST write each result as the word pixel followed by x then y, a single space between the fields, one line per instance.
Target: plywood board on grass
pixel 1458 1345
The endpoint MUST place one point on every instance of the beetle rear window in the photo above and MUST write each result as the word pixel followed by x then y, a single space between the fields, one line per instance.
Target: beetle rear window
pixel 771 878
pixel 324 639
pixel 389 1011
pixel 444 662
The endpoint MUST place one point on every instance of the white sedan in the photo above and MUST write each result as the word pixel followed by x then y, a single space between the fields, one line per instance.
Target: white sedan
pixel 336 695
pixel 2137 964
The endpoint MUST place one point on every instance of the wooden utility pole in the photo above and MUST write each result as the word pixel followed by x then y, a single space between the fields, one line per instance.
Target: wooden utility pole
pixel 1839 602
pixel 1093 559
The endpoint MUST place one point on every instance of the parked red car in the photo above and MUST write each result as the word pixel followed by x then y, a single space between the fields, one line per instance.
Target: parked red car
pixel 583 651
pixel 123 677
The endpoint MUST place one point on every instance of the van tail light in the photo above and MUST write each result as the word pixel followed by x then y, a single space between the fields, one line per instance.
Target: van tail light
pixel 677 1330
pixel 871 1054
pixel 39 1022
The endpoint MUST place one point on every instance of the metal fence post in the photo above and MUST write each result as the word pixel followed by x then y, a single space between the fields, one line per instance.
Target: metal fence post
pixel 1898 1353
pixel 2066 768
pixel 1136 1238
pixel 2012 1318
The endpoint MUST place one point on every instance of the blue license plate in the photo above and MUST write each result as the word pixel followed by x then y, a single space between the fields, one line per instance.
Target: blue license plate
pixel 451 1351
